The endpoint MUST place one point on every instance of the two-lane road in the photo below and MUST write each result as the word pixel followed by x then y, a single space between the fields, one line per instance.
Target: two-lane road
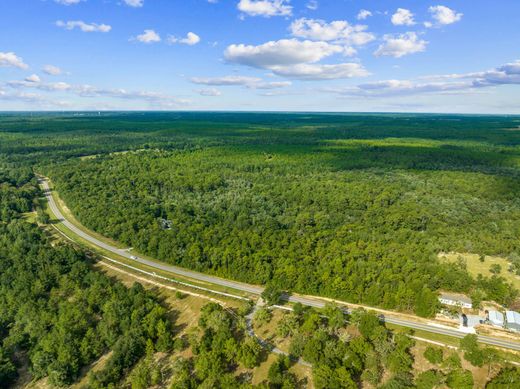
pixel 253 289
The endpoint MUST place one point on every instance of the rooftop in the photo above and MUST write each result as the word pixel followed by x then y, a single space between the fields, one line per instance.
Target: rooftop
pixel 513 317
pixel 496 316
pixel 455 297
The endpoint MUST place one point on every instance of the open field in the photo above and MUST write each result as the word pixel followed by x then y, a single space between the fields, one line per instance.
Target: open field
pixel 476 266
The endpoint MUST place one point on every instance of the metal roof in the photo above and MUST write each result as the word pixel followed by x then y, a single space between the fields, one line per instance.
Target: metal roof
pixel 456 297
pixel 513 317
pixel 496 317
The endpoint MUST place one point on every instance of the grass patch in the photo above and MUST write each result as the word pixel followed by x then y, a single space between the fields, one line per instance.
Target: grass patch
pixel 475 266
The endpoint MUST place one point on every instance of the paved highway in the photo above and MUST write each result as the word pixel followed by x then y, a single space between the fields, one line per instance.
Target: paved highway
pixel 256 290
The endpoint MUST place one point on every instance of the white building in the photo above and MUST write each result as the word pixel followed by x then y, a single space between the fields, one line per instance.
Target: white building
pixel 513 320
pixel 496 318
pixel 456 300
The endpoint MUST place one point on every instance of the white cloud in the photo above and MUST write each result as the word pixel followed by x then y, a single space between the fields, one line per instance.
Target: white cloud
pixel 88 91
pixel 134 3
pixel 338 30
pixel 400 45
pixel 85 27
pixel 505 74
pixel 271 85
pixel 508 74
pixel 403 17
pixel 209 92
pixel 444 15
pixel 314 72
pixel 312 5
pixel 407 87
pixel 363 14
pixel 52 70
pixel 68 2
pixel 33 78
pixel 148 36
pixel 190 39
pixel 248 82
pixel 11 59
pixel 265 8
pixel 282 52
pixel 292 58
pixel 37 84
pixel 226 80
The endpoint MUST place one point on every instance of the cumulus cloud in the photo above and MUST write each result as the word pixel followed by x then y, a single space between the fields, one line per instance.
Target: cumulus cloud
pixel 85 27
pixel 10 59
pixel 508 74
pixel 400 45
pixel 52 70
pixel 33 78
pixel 282 52
pixel 363 14
pixel 148 36
pixel 134 3
pixel 213 92
pixel 265 8
pixel 505 74
pixel 293 58
pixel 338 30
pixel 315 72
pixel 403 17
pixel 443 15
pixel 190 39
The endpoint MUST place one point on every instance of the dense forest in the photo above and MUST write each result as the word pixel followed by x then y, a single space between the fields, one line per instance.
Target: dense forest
pixel 56 314
pixel 352 207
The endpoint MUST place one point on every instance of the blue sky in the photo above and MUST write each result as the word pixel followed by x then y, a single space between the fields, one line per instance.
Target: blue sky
pixel 298 55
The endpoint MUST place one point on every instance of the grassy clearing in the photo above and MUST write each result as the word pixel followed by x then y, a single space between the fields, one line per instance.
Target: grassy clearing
pixel 475 266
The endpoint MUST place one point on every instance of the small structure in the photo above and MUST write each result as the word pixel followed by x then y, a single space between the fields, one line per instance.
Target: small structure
pixel 455 299
pixel 496 318
pixel 513 320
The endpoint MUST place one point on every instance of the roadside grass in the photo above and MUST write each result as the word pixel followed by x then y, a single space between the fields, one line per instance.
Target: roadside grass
pixel 476 267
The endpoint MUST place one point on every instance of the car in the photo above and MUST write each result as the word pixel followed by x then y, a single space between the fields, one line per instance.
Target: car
pixel 133 257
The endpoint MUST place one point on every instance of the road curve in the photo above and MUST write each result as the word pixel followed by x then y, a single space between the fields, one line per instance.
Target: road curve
pixel 161 266
pixel 256 290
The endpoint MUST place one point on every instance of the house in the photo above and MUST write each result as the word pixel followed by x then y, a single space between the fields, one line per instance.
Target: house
pixel 513 320
pixel 455 299
pixel 496 318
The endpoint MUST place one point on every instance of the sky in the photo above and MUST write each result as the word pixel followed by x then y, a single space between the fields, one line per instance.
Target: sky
pixel 261 55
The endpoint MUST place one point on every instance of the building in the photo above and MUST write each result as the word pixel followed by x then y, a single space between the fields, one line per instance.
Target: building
pixel 456 300
pixel 496 318
pixel 513 320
